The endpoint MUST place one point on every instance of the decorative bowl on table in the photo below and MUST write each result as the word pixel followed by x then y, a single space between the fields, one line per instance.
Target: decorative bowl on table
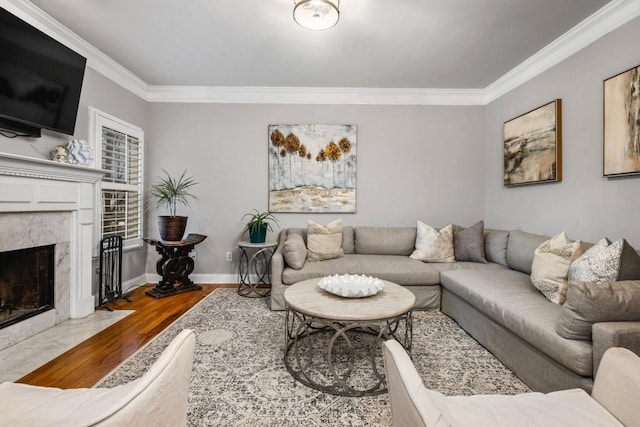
pixel 351 285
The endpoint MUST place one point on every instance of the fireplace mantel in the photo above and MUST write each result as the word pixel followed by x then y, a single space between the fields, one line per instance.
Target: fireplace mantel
pixel 37 185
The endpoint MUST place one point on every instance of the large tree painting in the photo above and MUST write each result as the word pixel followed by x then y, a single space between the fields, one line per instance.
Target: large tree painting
pixel 312 168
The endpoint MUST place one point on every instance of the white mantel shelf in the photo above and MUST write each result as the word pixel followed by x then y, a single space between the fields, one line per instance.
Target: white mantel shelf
pixel 14 165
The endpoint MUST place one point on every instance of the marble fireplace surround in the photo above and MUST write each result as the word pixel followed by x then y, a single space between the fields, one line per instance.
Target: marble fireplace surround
pixel 45 202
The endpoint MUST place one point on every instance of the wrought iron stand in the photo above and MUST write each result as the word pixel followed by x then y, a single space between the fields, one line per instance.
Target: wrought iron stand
pixel 258 264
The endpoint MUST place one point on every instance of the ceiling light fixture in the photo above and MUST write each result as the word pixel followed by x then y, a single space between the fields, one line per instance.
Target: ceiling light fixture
pixel 316 14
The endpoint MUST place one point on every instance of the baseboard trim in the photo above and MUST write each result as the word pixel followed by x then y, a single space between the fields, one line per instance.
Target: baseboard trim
pixel 207 278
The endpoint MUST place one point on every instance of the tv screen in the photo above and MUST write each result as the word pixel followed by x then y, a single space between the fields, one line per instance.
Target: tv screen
pixel 40 79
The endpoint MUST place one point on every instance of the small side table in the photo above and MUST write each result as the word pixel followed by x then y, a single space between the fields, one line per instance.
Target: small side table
pixel 174 266
pixel 259 263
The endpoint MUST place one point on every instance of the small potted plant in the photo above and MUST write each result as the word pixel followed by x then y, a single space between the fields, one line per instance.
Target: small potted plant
pixel 257 225
pixel 170 192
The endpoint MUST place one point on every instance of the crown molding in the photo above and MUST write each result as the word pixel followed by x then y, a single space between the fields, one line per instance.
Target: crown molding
pixel 607 19
pixel 96 59
pixel 316 95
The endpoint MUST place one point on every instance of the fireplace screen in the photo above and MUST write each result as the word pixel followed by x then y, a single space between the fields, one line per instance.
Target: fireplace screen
pixel 26 283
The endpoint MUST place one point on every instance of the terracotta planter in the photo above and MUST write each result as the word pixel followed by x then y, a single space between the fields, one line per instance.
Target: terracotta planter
pixel 172 227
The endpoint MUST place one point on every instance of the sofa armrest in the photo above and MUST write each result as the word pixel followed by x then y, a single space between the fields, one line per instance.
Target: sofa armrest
pixel 277 260
pixel 617 385
pixel 614 334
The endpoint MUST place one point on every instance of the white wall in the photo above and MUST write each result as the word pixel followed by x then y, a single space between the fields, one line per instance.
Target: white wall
pixel 585 204
pixel 101 93
pixel 414 163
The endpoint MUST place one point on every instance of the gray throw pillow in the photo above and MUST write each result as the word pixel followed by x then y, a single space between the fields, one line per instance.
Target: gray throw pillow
pixel 295 251
pixel 495 246
pixel 588 303
pixel 468 243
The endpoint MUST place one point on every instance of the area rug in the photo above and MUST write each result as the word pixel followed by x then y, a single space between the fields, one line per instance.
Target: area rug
pixel 239 378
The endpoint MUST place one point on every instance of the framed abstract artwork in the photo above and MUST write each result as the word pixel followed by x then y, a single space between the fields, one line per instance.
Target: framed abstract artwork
pixel 312 168
pixel 621 129
pixel 533 146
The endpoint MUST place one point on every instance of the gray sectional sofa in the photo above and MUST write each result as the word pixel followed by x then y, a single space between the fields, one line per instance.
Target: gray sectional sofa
pixel 494 302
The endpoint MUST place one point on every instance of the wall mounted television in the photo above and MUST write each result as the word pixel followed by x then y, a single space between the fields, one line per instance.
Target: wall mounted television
pixel 40 80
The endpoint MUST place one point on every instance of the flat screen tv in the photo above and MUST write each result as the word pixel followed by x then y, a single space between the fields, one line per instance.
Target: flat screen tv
pixel 40 80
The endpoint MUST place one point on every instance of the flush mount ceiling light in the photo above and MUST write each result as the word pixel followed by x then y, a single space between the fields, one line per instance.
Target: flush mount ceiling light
pixel 316 14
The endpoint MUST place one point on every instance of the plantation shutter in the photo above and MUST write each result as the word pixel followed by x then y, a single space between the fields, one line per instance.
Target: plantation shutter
pixel 121 190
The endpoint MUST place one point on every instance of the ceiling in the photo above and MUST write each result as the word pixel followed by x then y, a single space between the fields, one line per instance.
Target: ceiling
pixel 462 44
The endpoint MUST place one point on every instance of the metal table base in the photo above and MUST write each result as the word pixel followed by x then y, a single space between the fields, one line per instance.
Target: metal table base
pixel 324 354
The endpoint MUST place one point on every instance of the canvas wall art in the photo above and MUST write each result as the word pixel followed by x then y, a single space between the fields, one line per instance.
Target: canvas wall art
pixel 533 146
pixel 312 168
pixel 621 139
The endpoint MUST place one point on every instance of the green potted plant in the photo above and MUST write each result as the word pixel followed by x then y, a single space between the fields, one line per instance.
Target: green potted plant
pixel 257 225
pixel 170 192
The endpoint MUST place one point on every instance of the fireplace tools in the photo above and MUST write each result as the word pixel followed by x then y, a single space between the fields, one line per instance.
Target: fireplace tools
pixel 110 270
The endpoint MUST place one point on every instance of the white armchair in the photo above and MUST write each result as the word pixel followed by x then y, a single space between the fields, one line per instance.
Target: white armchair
pixel 158 398
pixel 615 400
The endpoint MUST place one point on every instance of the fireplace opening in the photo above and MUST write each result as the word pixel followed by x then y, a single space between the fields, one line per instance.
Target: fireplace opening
pixel 26 283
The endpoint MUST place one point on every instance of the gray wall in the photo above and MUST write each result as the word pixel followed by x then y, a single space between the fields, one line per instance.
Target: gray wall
pixel 414 163
pixel 584 204
pixel 105 95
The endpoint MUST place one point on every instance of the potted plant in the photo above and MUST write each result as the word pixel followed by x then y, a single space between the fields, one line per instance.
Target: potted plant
pixel 257 225
pixel 169 192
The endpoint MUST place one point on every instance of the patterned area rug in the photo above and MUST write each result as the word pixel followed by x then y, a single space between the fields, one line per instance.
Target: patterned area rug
pixel 239 378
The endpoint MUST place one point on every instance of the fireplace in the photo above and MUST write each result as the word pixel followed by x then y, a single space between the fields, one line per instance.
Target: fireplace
pixel 45 203
pixel 26 283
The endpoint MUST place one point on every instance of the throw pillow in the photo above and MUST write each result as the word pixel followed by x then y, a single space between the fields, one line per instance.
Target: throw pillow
pixel 295 251
pixel 433 245
pixel 324 242
pixel 468 243
pixel 495 246
pixel 550 268
pixel 606 262
pixel 588 303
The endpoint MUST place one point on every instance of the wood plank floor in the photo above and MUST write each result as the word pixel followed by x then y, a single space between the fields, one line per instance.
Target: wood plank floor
pixel 88 362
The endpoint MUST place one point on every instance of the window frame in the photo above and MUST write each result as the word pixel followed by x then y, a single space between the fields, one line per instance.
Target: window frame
pixel 97 120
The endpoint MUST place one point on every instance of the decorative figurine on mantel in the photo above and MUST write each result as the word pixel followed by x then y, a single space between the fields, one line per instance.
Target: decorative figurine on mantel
pixel 60 153
pixel 80 152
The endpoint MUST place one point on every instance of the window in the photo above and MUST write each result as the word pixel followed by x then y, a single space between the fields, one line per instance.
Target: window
pixel 119 148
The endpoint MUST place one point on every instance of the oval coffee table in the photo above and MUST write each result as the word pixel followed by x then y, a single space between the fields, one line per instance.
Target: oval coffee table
pixel 333 344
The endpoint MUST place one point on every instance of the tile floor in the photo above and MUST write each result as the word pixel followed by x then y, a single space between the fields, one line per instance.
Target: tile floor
pixel 22 358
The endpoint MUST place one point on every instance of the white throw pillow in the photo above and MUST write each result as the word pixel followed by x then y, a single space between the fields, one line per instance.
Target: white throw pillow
pixel 606 262
pixel 550 268
pixel 433 245
pixel 324 242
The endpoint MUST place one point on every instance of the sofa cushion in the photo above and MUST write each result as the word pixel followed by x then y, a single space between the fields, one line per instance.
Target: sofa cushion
pixel 520 249
pixel 550 267
pixel 507 297
pixel 495 246
pixel 433 245
pixel 588 303
pixel 384 240
pixel 567 408
pixel 294 251
pixel 324 242
pixel 348 239
pixel 394 268
pixel 468 242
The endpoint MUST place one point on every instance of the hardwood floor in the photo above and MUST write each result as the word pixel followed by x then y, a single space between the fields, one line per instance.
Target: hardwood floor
pixel 85 364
